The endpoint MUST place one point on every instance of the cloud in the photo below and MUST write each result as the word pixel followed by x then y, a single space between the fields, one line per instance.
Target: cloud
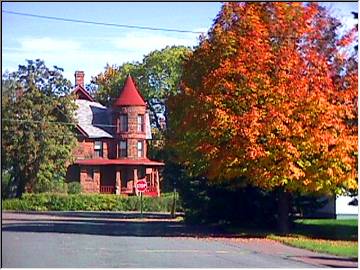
pixel 48 44
pixel 90 60
pixel 89 54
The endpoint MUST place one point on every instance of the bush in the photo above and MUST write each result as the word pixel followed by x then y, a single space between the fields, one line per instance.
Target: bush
pixel 6 185
pixel 88 202
pixel 74 188
pixel 55 186
pixel 227 203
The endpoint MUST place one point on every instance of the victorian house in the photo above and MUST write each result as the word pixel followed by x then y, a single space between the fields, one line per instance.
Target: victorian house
pixel 112 151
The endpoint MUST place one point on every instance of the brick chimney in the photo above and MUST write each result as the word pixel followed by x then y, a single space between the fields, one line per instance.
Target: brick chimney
pixel 79 78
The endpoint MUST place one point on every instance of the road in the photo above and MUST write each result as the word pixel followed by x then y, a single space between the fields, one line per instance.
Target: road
pixel 80 239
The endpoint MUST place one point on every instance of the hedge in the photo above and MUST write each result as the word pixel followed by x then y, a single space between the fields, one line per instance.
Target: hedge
pixel 89 202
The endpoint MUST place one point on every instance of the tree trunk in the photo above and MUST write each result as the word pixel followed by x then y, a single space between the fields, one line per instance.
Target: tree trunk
pixel 283 212
pixel 20 186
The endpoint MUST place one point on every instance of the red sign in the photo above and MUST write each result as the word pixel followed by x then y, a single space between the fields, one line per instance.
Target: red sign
pixel 141 185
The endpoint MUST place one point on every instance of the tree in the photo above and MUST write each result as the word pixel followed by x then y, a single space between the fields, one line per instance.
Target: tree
pixel 37 125
pixel 268 95
pixel 157 77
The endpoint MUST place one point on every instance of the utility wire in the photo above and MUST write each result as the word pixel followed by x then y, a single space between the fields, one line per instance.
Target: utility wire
pixel 102 23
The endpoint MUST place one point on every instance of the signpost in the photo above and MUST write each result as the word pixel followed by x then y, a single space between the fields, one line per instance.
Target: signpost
pixel 141 186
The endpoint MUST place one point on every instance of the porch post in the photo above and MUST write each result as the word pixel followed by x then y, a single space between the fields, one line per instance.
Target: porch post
pixel 135 181
pixel 96 185
pixel 118 181
pixel 83 176
pixel 152 177
pixel 157 183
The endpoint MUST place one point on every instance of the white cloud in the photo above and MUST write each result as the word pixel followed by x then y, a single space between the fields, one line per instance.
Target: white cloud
pixel 91 61
pixel 48 44
pixel 80 54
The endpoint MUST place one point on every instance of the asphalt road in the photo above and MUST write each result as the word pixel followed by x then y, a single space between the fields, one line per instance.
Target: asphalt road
pixel 123 240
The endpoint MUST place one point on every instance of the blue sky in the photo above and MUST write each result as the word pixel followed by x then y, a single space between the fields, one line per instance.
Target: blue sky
pixel 75 46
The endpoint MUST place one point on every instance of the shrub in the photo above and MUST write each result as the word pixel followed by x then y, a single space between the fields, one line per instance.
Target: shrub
pixel 88 202
pixel 74 188
pixel 55 186
pixel 227 203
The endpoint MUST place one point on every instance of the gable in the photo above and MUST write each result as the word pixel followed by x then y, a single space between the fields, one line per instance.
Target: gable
pixel 81 93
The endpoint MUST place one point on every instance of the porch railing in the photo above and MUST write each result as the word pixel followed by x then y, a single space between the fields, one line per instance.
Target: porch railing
pixel 107 189
pixel 151 189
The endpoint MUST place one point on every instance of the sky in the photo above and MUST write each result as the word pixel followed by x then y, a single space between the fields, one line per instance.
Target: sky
pixel 77 46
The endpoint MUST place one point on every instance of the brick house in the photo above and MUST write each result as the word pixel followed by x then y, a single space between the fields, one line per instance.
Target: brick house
pixel 112 151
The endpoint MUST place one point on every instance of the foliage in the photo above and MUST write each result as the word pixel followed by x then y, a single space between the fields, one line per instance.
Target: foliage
pixel 74 188
pixel 270 95
pixel 7 190
pixel 228 203
pixel 56 186
pixel 37 125
pixel 87 202
pixel 306 205
pixel 157 77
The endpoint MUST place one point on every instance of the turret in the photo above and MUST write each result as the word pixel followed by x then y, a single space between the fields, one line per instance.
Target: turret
pixel 129 111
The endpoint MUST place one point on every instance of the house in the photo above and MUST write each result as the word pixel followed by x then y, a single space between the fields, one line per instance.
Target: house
pixel 335 206
pixel 347 207
pixel 112 143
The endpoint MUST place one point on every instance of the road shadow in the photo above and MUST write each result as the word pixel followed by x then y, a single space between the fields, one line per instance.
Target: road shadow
pixel 106 224
pixel 329 261
pixel 328 231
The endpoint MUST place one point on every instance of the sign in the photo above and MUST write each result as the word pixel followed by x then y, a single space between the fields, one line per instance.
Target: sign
pixel 141 185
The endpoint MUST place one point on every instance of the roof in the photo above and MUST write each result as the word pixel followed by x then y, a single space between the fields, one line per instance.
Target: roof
pixel 94 119
pixel 105 161
pixel 129 95
pixel 82 93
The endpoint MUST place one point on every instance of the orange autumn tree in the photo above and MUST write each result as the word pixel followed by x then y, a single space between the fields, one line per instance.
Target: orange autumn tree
pixel 270 94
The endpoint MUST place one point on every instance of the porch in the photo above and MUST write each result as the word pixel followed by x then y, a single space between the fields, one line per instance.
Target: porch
pixel 120 180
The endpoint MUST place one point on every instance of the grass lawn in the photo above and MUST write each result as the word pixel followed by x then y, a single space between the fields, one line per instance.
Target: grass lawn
pixel 337 237
pixel 335 229
pixel 335 247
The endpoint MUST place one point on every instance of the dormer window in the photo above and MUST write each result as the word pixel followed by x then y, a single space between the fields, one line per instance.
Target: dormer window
pixel 140 123
pixel 123 123
pixel 98 149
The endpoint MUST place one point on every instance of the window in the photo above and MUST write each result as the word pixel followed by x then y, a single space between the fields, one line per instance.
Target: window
pixel 123 148
pixel 140 148
pixel 140 123
pixel 123 123
pixel 98 149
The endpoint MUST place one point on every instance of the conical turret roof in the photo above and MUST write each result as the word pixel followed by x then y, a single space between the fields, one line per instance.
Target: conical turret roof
pixel 129 95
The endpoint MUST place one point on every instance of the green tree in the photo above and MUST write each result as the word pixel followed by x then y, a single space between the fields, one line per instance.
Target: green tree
pixel 157 78
pixel 37 126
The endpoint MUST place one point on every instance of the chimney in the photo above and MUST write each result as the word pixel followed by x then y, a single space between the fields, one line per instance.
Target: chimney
pixel 79 78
